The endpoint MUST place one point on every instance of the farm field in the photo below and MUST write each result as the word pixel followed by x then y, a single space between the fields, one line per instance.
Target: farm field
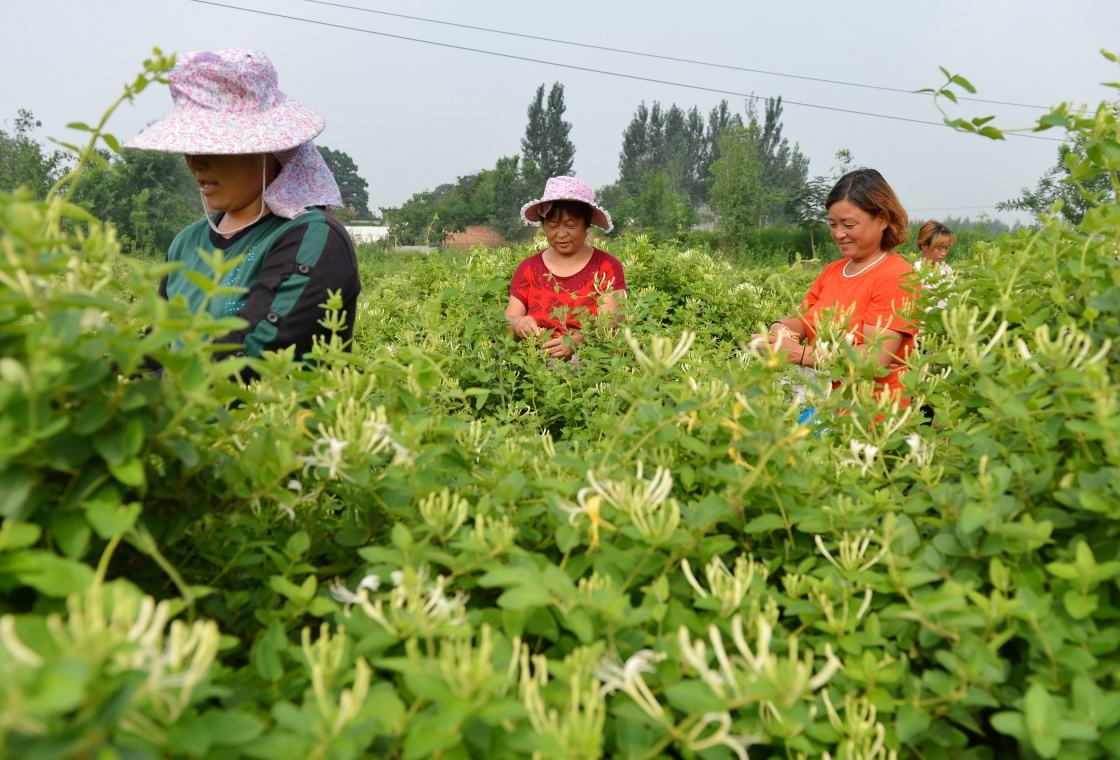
pixel 438 544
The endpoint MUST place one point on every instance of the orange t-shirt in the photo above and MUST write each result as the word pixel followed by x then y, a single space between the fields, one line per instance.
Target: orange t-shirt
pixel 881 295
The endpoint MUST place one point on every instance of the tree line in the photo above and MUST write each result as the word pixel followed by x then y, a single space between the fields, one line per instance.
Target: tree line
pixel 677 169
pixel 732 179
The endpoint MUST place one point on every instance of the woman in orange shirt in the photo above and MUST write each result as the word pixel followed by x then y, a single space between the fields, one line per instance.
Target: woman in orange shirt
pixel 868 288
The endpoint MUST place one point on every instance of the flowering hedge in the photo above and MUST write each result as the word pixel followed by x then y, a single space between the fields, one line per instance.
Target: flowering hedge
pixel 439 545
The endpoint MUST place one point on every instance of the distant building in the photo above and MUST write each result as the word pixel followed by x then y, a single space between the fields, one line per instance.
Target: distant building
pixel 474 234
pixel 370 234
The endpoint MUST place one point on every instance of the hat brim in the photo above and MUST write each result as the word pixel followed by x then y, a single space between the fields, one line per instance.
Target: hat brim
pixel 205 132
pixel 531 212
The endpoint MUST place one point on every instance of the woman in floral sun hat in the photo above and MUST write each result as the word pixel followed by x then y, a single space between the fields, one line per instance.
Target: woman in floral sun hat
pixel 264 189
pixel 553 292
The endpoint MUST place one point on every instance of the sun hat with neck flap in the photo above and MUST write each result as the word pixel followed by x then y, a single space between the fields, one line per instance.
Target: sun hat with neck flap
pixel 228 102
pixel 566 189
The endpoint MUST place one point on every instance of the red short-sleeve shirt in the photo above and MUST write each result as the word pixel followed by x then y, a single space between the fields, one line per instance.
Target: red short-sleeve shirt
pixel 881 295
pixel 559 302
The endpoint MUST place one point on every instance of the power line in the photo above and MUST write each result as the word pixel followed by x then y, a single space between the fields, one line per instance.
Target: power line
pixel 587 69
pixel 643 54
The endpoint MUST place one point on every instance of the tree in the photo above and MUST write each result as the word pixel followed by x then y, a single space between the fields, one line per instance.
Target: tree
pixel 354 189
pixel 492 197
pixel 1074 180
pixel 657 209
pixel 784 168
pixel 23 162
pixel 546 148
pixel 807 209
pixel 148 196
pixel 738 193
pixel 676 142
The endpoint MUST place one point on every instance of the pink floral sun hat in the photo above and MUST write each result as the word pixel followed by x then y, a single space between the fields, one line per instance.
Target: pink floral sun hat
pixel 228 102
pixel 566 189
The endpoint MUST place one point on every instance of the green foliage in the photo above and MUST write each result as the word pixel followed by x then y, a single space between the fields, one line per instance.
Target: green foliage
pixel 546 149
pixel 147 196
pixel 674 143
pixel 1073 186
pixel 759 179
pixel 354 189
pixel 738 195
pixel 492 197
pixel 656 210
pixel 23 162
pixel 442 545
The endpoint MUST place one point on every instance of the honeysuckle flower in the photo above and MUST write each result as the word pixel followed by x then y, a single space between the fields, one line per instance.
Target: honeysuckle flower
pixel 721 736
pixel 589 506
pixel 663 353
pixel 863 456
pixel 326 454
pixel 727 586
pixel 343 595
pixel 617 675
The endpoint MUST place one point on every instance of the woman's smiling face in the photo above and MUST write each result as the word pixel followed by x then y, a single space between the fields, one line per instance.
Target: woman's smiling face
pixel 856 233
pixel 566 233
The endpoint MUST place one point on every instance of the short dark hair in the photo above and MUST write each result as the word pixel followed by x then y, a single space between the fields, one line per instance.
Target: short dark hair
pixel 575 209
pixel 868 191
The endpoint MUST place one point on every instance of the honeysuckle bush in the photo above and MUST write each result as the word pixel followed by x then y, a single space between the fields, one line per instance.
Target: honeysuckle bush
pixel 441 544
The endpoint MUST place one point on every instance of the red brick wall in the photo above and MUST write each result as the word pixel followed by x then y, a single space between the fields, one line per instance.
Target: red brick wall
pixel 474 234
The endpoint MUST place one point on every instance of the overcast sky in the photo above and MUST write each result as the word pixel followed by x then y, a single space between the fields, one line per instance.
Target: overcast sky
pixel 414 115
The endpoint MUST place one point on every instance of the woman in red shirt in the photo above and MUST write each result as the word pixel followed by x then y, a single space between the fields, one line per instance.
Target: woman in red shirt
pixel 553 291
pixel 868 289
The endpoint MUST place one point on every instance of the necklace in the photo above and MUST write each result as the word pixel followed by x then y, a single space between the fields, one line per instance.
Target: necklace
pixel 879 258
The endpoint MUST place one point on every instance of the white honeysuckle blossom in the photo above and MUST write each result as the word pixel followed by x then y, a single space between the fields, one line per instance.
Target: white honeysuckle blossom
pixel 863 456
pixel 343 595
pixel 617 675
pixel 727 586
pixel 326 454
pixel 865 734
pixel 646 502
pixel 793 678
pixel 920 452
pixel 626 495
pixel 853 551
pixel 721 736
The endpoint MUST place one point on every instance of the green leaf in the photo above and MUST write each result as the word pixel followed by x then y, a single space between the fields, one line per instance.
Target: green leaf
pixel 1010 724
pixel 1078 605
pixel 17 535
pixel 694 697
pixel 54 575
pixel 1040 714
pixel 964 83
pixel 111 141
pixel 266 652
pixel 764 523
pixel 524 598
pixel 232 728
pixel 298 544
pixel 910 722
pixel 15 493
pixel 401 537
pixel 131 472
pixel 110 519
pixel 1063 570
